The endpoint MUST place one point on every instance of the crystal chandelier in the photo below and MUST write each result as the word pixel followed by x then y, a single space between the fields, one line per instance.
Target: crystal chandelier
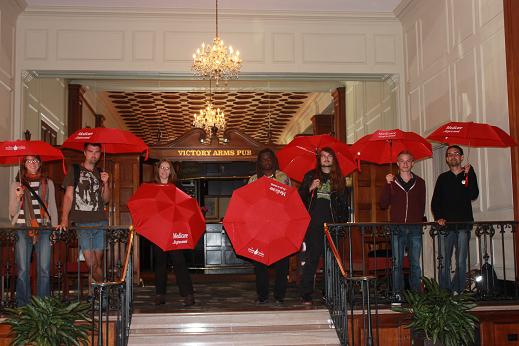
pixel 210 119
pixel 216 61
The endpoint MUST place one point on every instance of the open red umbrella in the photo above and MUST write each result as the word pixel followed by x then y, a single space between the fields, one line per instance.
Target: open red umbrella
pixel 113 141
pixel 383 146
pixel 266 220
pixel 472 134
pixel 12 152
pixel 166 216
pixel 299 156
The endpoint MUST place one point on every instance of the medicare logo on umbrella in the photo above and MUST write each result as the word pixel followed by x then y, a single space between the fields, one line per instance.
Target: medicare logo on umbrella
pixel 166 216
pixel 266 221
pixel 12 152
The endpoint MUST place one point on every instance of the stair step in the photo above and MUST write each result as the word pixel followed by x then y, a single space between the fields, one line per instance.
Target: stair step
pixel 294 327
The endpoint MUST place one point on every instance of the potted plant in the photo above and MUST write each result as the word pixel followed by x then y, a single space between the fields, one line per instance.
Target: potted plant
pixel 49 322
pixel 442 317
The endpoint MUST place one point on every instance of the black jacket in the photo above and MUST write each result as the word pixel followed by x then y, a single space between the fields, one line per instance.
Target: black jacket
pixel 339 202
pixel 452 199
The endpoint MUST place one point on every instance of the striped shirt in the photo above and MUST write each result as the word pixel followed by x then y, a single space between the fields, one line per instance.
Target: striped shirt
pixel 35 205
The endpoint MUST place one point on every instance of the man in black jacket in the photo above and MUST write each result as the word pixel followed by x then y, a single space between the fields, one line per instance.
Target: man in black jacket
pixel 452 202
pixel 327 199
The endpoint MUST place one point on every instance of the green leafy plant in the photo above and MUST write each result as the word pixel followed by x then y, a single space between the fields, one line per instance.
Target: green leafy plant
pixel 49 322
pixel 440 315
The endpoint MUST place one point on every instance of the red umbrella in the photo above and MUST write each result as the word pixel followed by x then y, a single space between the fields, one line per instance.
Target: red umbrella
pixel 472 134
pixel 166 216
pixel 266 220
pixel 383 146
pixel 299 156
pixel 12 152
pixel 114 141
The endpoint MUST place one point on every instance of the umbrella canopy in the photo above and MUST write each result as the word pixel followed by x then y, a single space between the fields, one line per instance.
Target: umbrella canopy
pixel 12 152
pixel 472 134
pixel 299 156
pixel 166 216
pixel 114 141
pixel 383 146
pixel 266 220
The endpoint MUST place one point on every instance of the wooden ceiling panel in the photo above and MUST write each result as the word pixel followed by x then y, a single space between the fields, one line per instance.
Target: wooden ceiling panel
pixel 172 112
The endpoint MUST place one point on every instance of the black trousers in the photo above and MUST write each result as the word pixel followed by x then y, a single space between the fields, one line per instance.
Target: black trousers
pixel 262 279
pixel 314 241
pixel 179 267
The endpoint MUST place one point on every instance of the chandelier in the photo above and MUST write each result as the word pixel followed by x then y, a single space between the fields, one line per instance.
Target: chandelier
pixel 210 119
pixel 216 61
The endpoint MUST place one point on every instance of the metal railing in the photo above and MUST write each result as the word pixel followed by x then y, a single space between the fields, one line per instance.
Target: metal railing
pixel 358 253
pixel 71 278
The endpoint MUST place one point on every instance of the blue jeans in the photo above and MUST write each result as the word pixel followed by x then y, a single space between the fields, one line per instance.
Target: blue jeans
pixel 23 264
pixel 409 236
pixel 91 239
pixel 459 238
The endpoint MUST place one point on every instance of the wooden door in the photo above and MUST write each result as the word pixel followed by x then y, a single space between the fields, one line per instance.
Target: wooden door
pixel 367 188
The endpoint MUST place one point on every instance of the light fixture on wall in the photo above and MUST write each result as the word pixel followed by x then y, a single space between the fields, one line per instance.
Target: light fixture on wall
pixel 210 119
pixel 216 61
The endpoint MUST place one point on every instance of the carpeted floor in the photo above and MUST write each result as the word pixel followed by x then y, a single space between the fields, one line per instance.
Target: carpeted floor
pixel 216 293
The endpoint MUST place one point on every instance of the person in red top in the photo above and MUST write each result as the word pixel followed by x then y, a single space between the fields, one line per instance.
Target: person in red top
pixel 405 194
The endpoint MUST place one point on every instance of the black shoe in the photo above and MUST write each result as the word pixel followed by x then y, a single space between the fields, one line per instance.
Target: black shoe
pixel 306 300
pixel 279 302
pixel 160 299
pixel 262 301
pixel 189 300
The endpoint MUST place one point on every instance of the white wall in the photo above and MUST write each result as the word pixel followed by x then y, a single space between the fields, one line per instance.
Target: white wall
pixel 44 99
pixel 161 44
pixel 9 11
pixel 456 71
pixel 370 106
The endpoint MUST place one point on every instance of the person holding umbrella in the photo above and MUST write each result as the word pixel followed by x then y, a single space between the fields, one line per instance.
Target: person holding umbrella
pixel 86 192
pixel 452 202
pixel 327 199
pixel 165 174
pixel 405 194
pixel 267 166
pixel 32 203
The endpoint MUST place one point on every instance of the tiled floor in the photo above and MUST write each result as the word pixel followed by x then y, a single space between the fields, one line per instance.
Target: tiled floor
pixel 215 293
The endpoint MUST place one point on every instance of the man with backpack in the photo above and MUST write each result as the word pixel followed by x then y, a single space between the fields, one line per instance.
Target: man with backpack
pixel 86 193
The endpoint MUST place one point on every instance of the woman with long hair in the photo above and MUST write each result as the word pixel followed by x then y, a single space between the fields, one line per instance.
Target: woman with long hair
pixel 165 174
pixel 32 203
pixel 327 199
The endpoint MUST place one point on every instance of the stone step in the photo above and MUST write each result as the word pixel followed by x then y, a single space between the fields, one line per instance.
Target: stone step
pixel 293 327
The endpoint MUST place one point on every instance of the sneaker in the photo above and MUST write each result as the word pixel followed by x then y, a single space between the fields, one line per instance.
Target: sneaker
pixel 397 299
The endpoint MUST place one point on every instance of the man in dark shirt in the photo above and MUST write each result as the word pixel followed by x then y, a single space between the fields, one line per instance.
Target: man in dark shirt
pixel 452 202
pixel 405 193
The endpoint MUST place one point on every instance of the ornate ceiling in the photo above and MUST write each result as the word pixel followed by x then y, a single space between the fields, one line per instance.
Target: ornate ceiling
pixel 167 115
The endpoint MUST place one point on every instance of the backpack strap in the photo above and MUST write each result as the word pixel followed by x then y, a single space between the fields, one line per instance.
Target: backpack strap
pixel 75 166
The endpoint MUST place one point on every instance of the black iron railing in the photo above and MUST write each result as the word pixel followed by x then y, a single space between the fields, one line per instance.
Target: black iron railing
pixel 359 258
pixel 71 277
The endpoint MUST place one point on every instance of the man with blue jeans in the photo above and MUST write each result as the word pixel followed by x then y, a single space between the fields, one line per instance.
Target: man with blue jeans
pixel 83 203
pixel 452 202
pixel 405 194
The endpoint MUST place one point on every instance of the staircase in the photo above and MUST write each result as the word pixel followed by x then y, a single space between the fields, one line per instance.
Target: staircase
pixel 288 327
